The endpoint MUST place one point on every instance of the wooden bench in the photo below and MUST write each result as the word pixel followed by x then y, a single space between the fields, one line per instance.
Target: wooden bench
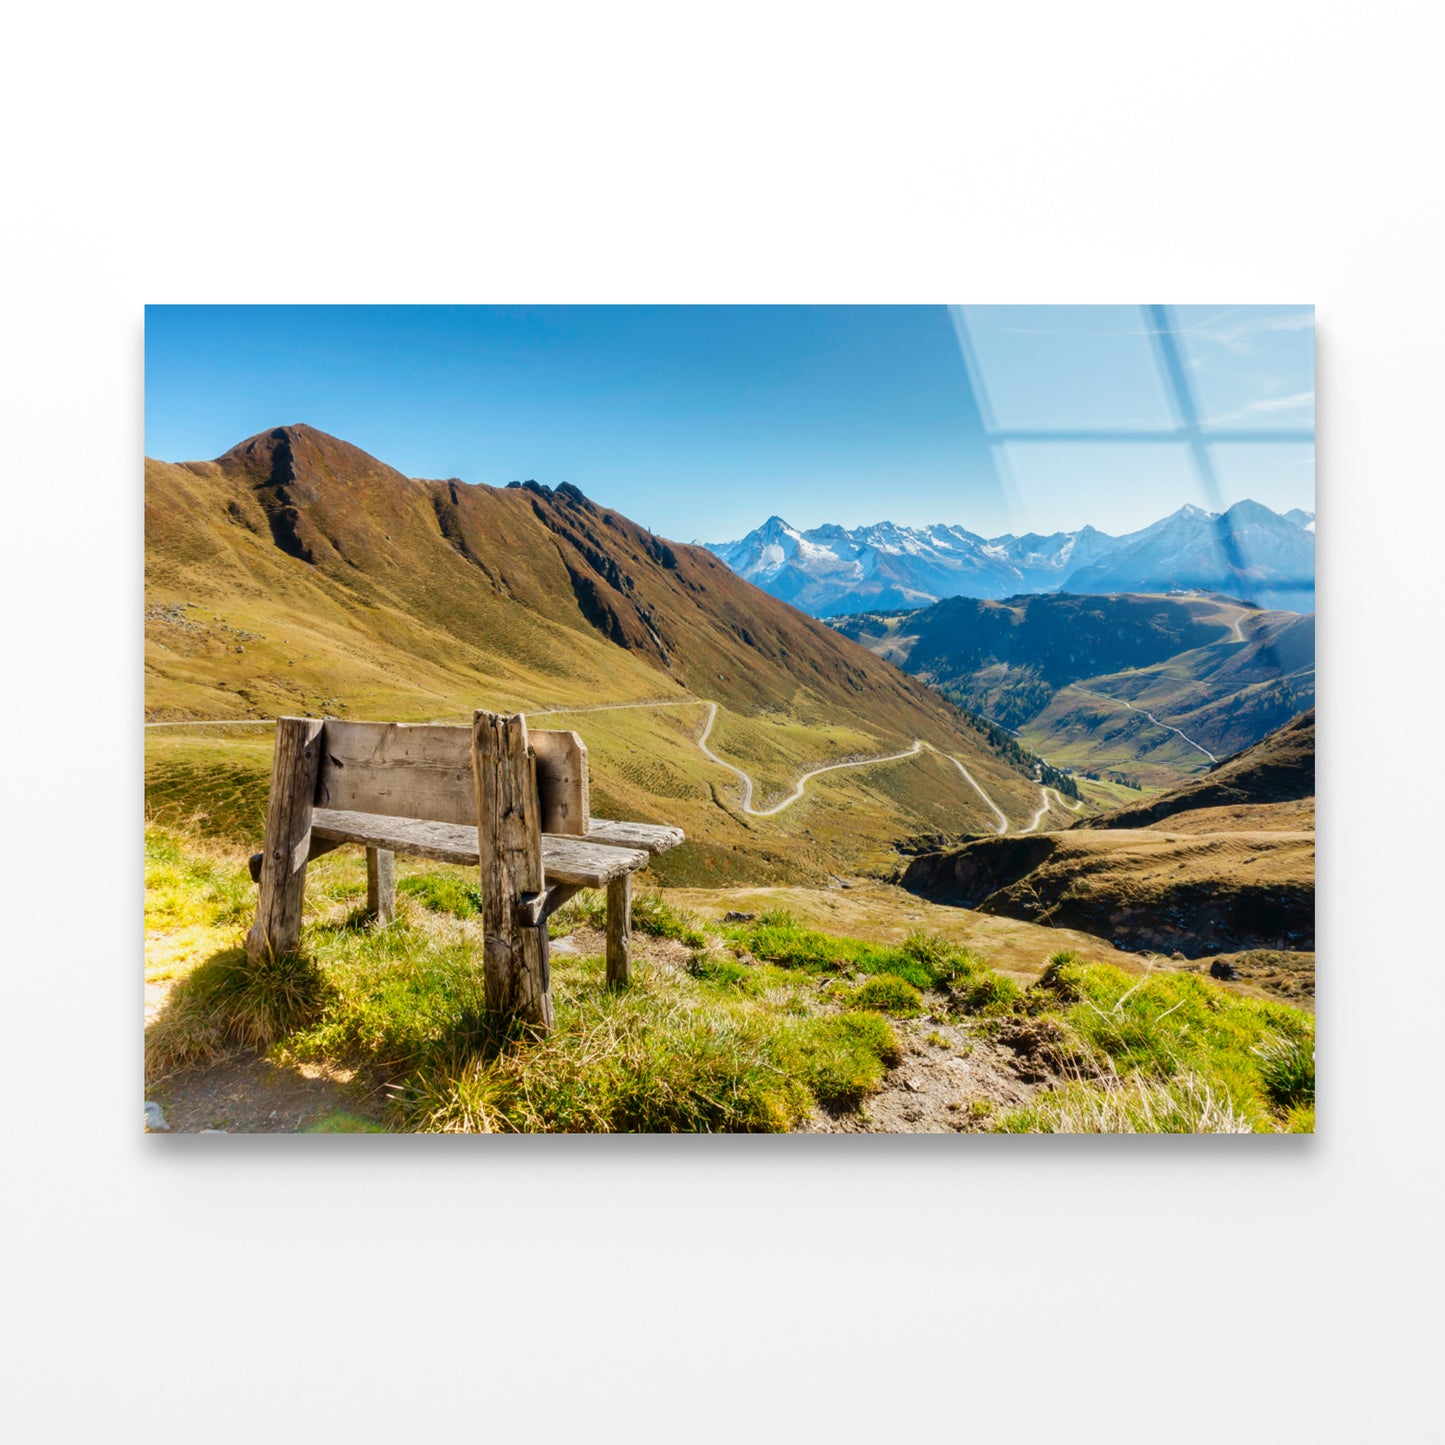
pixel 512 803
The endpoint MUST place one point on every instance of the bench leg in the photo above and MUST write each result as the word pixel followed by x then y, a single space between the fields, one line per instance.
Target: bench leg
pixel 509 855
pixel 619 931
pixel 381 884
pixel 277 929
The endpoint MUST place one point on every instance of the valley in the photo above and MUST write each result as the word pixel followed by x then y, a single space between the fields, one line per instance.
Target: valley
pixel 1148 689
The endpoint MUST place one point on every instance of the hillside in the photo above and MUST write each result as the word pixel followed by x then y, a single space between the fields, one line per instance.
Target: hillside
pixel 1145 686
pixel 297 574
pixel 756 1020
pixel 1223 864
pixel 1280 770
pixel 1192 893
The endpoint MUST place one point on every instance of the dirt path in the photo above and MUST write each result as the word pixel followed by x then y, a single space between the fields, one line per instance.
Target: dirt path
pixel 1043 808
pixel 797 792
pixel 250 1095
pixel 216 722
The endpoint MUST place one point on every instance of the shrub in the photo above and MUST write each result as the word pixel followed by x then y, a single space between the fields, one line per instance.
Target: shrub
pixel 230 1003
pixel 1287 1067
pixel 842 1058
pixel 988 993
pixel 889 994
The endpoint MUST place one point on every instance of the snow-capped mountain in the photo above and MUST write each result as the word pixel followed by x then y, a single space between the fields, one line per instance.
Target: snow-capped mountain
pixel 1248 551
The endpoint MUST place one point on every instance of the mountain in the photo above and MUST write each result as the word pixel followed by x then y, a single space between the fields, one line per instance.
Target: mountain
pixel 1148 687
pixel 1248 551
pixel 298 574
pixel 1224 864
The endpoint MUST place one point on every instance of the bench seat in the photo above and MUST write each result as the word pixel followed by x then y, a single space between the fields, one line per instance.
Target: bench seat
pixel 610 850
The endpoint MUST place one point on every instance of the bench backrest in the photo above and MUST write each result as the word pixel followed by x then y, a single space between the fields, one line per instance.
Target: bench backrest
pixel 424 770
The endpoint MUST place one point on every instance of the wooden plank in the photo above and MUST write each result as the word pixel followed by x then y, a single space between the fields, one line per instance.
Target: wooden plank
pixel 562 782
pixel 400 770
pixel 294 764
pixel 509 841
pixel 619 931
pixel 581 862
pixel 654 837
pixel 446 842
pixel 381 884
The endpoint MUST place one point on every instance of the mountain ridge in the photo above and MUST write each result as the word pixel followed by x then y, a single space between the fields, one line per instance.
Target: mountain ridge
pixel 1246 551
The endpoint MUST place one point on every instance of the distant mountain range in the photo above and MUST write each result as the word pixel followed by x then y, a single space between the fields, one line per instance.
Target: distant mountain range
pixel 1248 552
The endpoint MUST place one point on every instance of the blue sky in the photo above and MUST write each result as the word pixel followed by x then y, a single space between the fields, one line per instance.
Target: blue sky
pixel 700 422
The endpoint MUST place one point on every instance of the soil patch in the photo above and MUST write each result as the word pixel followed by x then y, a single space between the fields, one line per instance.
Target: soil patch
pixel 253 1096
pixel 955 1078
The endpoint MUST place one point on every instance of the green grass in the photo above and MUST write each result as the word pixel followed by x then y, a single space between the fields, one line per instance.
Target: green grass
pixel 405 1005
pixel 189 884
pixel 652 914
pixel 338 1121
pixel 229 1004
pixel 1287 1070
pixel 1172 1052
pixel 924 971
pixel 922 960
pixel 443 894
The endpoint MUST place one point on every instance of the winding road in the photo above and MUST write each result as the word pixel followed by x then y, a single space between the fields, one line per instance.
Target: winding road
pixel 1045 805
pixel 973 783
pixel 747 783
pixel 918 746
pixel 797 792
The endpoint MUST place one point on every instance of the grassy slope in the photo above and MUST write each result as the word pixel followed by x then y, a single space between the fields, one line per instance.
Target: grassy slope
pixel 423 600
pixel 755 1025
